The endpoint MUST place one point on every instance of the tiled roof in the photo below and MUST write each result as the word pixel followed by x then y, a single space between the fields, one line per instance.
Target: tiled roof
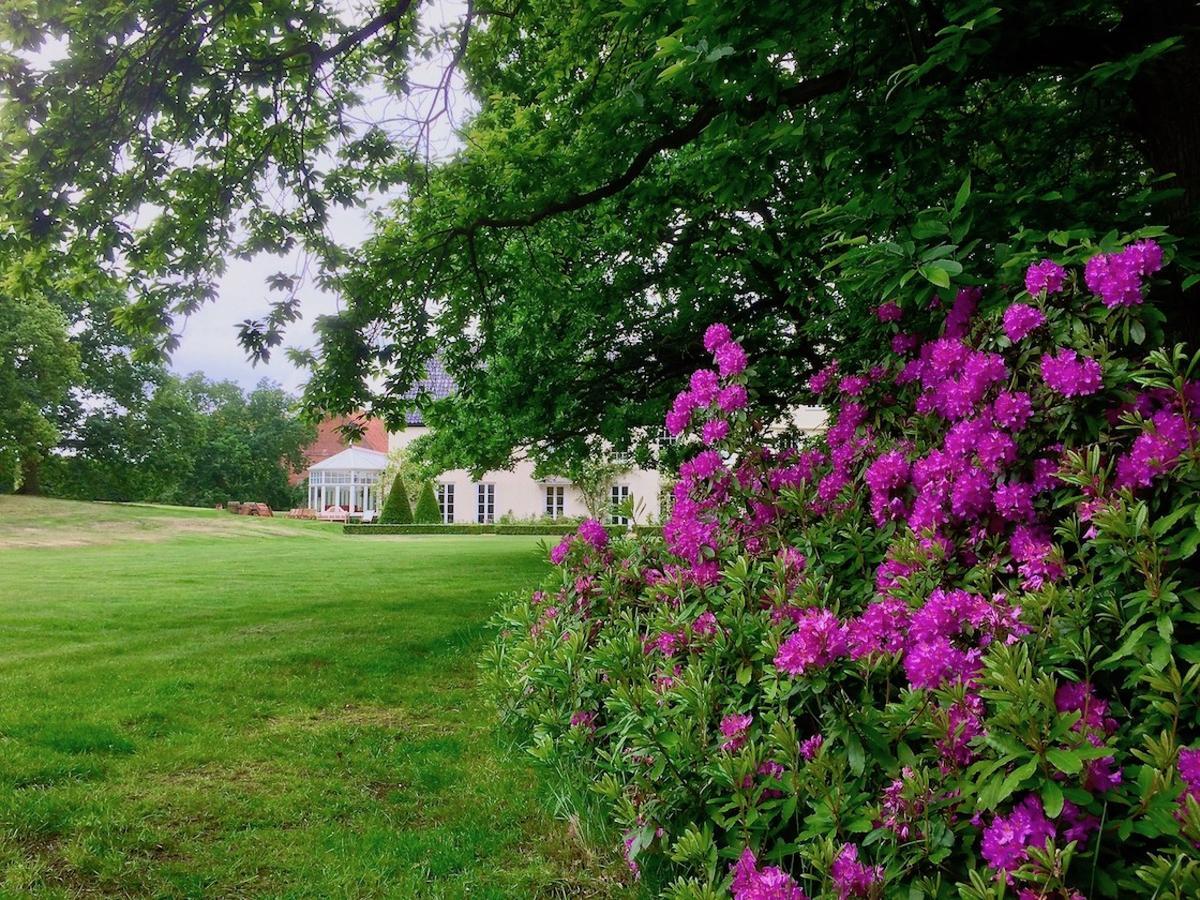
pixel 436 385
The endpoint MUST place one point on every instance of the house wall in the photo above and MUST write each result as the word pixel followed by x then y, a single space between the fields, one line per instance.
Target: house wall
pixel 519 495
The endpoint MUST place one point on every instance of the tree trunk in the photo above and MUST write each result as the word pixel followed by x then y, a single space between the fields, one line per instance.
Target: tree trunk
pixel 1166 102
pixel 31 467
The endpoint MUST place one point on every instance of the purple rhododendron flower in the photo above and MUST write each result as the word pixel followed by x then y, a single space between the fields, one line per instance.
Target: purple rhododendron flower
pixel 1157 450
pixel 1070 374
pixel 1117 277
pixel 732 398
pixel 716 336
pixel 733 727
pixel 593 533
pixel 810 747
pixel 560 550
pixel 771 883
pixel 821 380
pixel 714 431
pixel 852 878
pixel 853 385
pixel 703 386
pixel 1020 319
pixel 959 318
pixel 820 640
pixel 585 720
pixel 889 312
pixel 731 359
pixel 1046 276
pixel 1006 841
pixel 885 478
pixel 1189 772
pixel 1012 410
pixel 705 625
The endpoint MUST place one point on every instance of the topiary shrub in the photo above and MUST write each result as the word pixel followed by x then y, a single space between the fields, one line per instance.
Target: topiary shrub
pixel 396 510
pixel 949 649
pixel 427 511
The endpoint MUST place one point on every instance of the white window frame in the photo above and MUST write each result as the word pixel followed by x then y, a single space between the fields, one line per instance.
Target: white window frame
pixel 485 502
pixel 618 495
pixel 445 499
pixel 556 500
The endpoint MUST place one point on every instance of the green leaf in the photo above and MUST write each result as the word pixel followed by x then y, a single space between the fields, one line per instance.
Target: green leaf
pixel 960 199
pixel 936 275
pixel 1065 761
pixel 1052 799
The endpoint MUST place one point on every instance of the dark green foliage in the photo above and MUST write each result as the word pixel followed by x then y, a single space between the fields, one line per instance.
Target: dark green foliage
pixel 396 510
pixel 188 441
pixel 427 511
pixel 37 366
pixel 634 171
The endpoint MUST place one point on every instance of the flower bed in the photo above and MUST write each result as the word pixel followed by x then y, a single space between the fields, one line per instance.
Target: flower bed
pixel 949 649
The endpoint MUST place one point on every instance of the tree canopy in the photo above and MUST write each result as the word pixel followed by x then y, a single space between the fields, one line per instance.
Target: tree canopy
pixel 635 170
pixel 189 441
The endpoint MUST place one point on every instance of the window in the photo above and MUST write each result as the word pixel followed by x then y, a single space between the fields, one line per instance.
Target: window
pixel 620 494
pixel 486 503
pixel 556 495
pixel 445 498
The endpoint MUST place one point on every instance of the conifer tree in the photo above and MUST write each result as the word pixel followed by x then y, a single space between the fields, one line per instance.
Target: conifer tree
pixel 396 509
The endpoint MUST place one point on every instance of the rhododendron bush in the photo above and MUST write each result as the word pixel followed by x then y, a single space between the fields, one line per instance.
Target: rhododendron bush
pixel 949 648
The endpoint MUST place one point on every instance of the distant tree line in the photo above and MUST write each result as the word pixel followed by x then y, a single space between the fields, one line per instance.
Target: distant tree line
pixel 185 440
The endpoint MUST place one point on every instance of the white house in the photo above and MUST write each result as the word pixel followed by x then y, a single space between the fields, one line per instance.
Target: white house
pixel 515 493
pixel 350 479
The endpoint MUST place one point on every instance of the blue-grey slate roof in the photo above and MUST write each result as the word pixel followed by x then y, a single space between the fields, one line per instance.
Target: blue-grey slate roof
pixel 436 385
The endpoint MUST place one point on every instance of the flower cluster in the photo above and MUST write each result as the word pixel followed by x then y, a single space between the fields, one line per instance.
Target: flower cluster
pixel 1117 277
pixel 935 644
pixel 770 883
pixel 1070 374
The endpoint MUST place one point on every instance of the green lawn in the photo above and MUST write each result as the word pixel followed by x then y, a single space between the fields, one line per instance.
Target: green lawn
pixel 197 704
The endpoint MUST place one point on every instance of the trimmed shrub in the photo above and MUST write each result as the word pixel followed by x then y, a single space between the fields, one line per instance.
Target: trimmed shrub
pixel 949 649
pixel 427 511
pixel 396 510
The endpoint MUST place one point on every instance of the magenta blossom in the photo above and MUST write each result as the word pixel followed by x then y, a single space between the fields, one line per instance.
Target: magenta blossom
pixel 1045 277
pixel 732 398
pixel 1070 374
pixel 852 878
pixel 810 747
pixel 889 312
pixel 731 359
pixel 771 883
pixel 1020 319
pixel 716 336
pixel 821 380
pixel 1006 841
pixel 819 641
pixel 1117 277
pixel 733 728
pixel 593 533
pixel 714 431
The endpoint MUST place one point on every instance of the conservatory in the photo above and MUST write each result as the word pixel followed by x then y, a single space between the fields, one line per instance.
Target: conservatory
pixel 346 484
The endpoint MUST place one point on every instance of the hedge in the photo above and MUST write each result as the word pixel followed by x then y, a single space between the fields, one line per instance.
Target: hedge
pixel 474 528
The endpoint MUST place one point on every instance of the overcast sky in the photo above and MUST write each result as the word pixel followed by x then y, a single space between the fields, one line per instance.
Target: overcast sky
pixel 209 342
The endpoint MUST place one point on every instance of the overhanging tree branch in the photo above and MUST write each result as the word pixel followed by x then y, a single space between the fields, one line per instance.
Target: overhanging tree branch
pixel 796 95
